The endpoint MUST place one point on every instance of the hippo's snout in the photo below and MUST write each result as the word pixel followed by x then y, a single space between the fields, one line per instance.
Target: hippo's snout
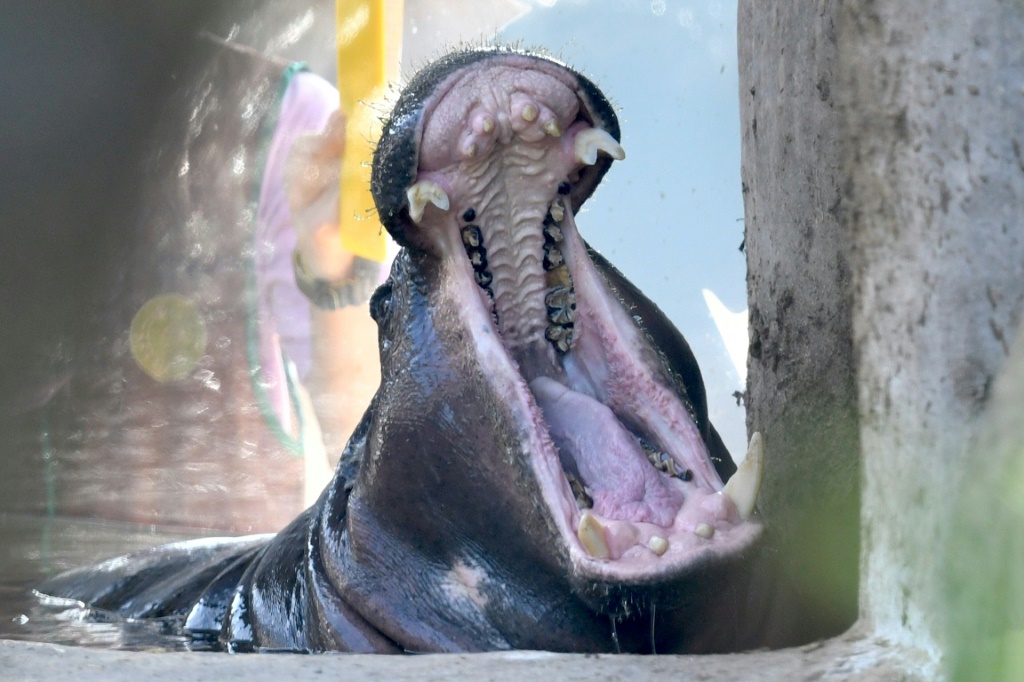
pixel 497 151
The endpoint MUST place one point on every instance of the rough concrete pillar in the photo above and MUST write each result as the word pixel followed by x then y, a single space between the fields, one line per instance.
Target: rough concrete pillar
pixel 984 572
pixel 933 150
pixel 800 388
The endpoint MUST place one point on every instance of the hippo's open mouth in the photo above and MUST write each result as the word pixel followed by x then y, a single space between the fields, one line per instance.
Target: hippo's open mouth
pixel 537 469
pixel 505 149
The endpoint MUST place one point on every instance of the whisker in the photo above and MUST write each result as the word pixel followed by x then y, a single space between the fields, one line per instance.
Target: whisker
pixel 615 635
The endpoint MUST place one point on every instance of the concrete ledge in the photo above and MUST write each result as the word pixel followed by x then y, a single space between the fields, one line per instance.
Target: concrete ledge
pixel 854 655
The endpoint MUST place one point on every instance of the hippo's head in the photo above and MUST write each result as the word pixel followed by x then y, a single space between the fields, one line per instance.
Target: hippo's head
pixel 540 441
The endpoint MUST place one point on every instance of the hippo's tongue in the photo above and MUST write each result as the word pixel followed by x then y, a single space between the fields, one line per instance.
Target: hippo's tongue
pixel 609 460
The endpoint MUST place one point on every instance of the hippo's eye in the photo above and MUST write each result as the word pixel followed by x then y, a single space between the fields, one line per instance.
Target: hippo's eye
pixel 380 302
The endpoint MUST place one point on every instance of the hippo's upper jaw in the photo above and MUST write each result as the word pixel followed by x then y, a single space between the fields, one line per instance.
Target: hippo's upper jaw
pixel 485 161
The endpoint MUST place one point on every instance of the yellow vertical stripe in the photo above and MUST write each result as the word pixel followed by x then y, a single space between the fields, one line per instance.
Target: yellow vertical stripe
pixel 369 36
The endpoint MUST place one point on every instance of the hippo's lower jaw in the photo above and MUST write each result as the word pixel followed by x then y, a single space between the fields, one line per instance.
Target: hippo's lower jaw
pixel 508 146
pixel 621 464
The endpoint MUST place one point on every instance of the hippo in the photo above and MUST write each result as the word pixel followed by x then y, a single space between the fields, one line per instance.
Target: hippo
pixel 537 469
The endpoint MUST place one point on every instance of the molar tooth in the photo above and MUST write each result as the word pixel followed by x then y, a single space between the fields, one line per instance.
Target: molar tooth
pixel 553 233
pixel 560 335
pixel 555 332
pixel 478 258
pixel 593 140
pixel 529 113
pixel 745 484
pixel 657 544
pixel 483 278
pixel 558 277
pixel 560 297
pixel 422 193
pixel 668 465
pixel 561 305
pixel 557 212
pixel 704 530
pixel 561 316
pixel 552 257
pixel 552 128
pixel 591 535
pixel 579 491
pixel 471 237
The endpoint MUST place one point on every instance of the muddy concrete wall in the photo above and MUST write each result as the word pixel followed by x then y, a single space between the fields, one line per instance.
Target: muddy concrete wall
pixel 883 178
pixel 800 389
pixel 933 104
pixel 982 579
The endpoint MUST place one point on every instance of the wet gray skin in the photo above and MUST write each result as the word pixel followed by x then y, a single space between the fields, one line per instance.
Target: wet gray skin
pixel 537 469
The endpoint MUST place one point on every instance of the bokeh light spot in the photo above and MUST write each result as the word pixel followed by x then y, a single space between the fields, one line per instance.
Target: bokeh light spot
pixel 168 336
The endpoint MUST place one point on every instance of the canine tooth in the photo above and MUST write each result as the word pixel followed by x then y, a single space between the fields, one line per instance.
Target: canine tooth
pixel 552 128
pixel 557 212
pixel 529 113
pixel 422 193
pixel 704 530
pixel 591 535
pixel 657 544
pixel 593 140
pixel 744 485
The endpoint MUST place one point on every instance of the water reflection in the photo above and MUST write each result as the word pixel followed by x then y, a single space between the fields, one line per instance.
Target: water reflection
pixel 35 546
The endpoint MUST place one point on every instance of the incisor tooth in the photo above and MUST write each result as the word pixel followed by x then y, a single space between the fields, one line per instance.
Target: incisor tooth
pixel 422 193
pixel 657 544
pixel 591 535
pixel 552 128
pixel 529 113
pixel 593 140
pixel 744 485
pixel 704 530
